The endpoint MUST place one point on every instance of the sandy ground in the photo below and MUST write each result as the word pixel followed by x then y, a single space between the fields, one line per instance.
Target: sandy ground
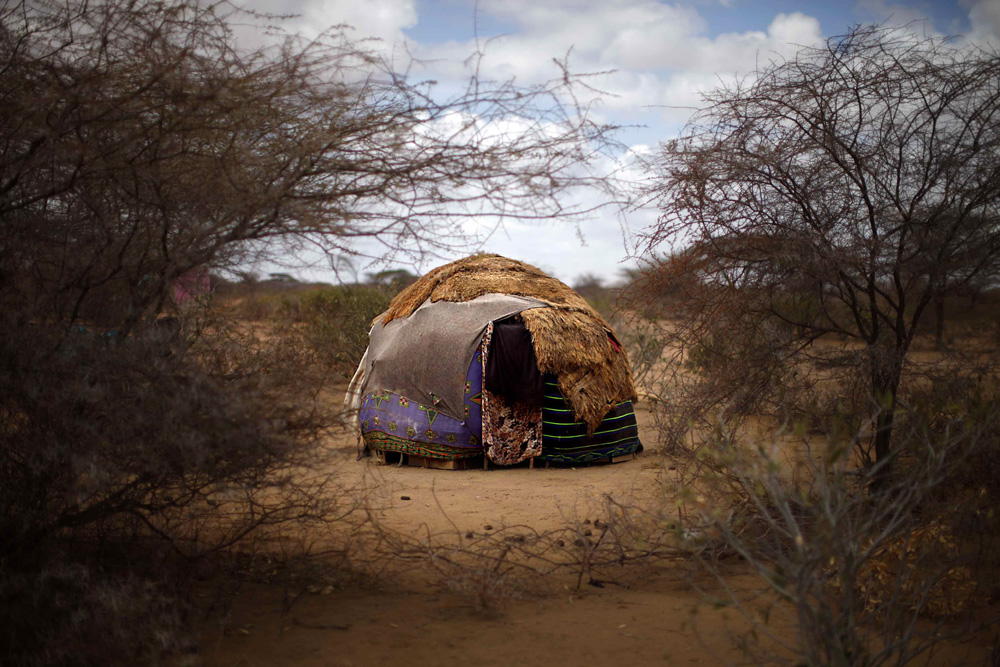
pixel 402 619
pixel 423 628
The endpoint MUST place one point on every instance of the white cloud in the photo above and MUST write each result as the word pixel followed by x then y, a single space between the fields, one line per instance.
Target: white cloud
pixel 984 16
pixel 664 59
pixel 896 14
pixel 659 52
pixel 790 30
pixel 380 20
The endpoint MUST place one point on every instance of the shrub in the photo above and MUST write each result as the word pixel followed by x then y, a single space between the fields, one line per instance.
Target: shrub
pixel 109 443
pixel 336 320
pixel 74 614
pixel 860 571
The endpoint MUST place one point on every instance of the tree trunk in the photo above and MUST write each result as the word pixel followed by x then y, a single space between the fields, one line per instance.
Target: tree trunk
pixel 883 446
pixel 939 321
pixel 886 372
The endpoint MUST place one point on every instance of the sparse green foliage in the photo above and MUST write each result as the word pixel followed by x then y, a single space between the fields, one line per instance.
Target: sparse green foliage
pixel 336 321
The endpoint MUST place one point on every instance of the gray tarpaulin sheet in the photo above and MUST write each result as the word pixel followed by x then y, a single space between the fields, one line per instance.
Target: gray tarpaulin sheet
pixel 425 356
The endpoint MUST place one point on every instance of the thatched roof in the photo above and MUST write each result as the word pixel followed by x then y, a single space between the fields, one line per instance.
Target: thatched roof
pixel 570 337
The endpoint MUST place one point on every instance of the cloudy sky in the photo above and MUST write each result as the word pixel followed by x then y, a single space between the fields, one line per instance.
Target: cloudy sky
pixel 661 53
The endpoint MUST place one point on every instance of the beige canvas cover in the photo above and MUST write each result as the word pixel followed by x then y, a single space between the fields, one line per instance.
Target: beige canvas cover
pixel 426 355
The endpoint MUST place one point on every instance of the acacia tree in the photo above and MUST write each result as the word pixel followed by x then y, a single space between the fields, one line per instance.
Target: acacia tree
pixel 838 192
pixel 138 141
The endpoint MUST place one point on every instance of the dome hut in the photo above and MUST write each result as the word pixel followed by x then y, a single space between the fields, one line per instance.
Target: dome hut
pixel 491 356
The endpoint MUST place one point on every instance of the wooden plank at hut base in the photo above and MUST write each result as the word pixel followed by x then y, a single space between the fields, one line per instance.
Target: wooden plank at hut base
pixel 437 464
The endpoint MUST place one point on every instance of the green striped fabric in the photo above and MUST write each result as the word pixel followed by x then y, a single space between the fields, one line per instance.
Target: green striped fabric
pixel 566 441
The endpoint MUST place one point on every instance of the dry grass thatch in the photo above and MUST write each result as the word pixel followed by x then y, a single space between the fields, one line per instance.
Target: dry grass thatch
pixel 570 338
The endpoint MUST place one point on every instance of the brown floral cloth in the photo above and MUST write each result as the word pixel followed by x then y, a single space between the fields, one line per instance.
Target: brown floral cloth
pixel 512 431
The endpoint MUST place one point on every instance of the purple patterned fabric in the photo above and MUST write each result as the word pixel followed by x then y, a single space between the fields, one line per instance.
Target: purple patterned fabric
pixel 385 411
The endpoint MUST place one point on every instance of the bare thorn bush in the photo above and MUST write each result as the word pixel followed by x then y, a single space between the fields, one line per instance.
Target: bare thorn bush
pixel 141 144
pixel 868 578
